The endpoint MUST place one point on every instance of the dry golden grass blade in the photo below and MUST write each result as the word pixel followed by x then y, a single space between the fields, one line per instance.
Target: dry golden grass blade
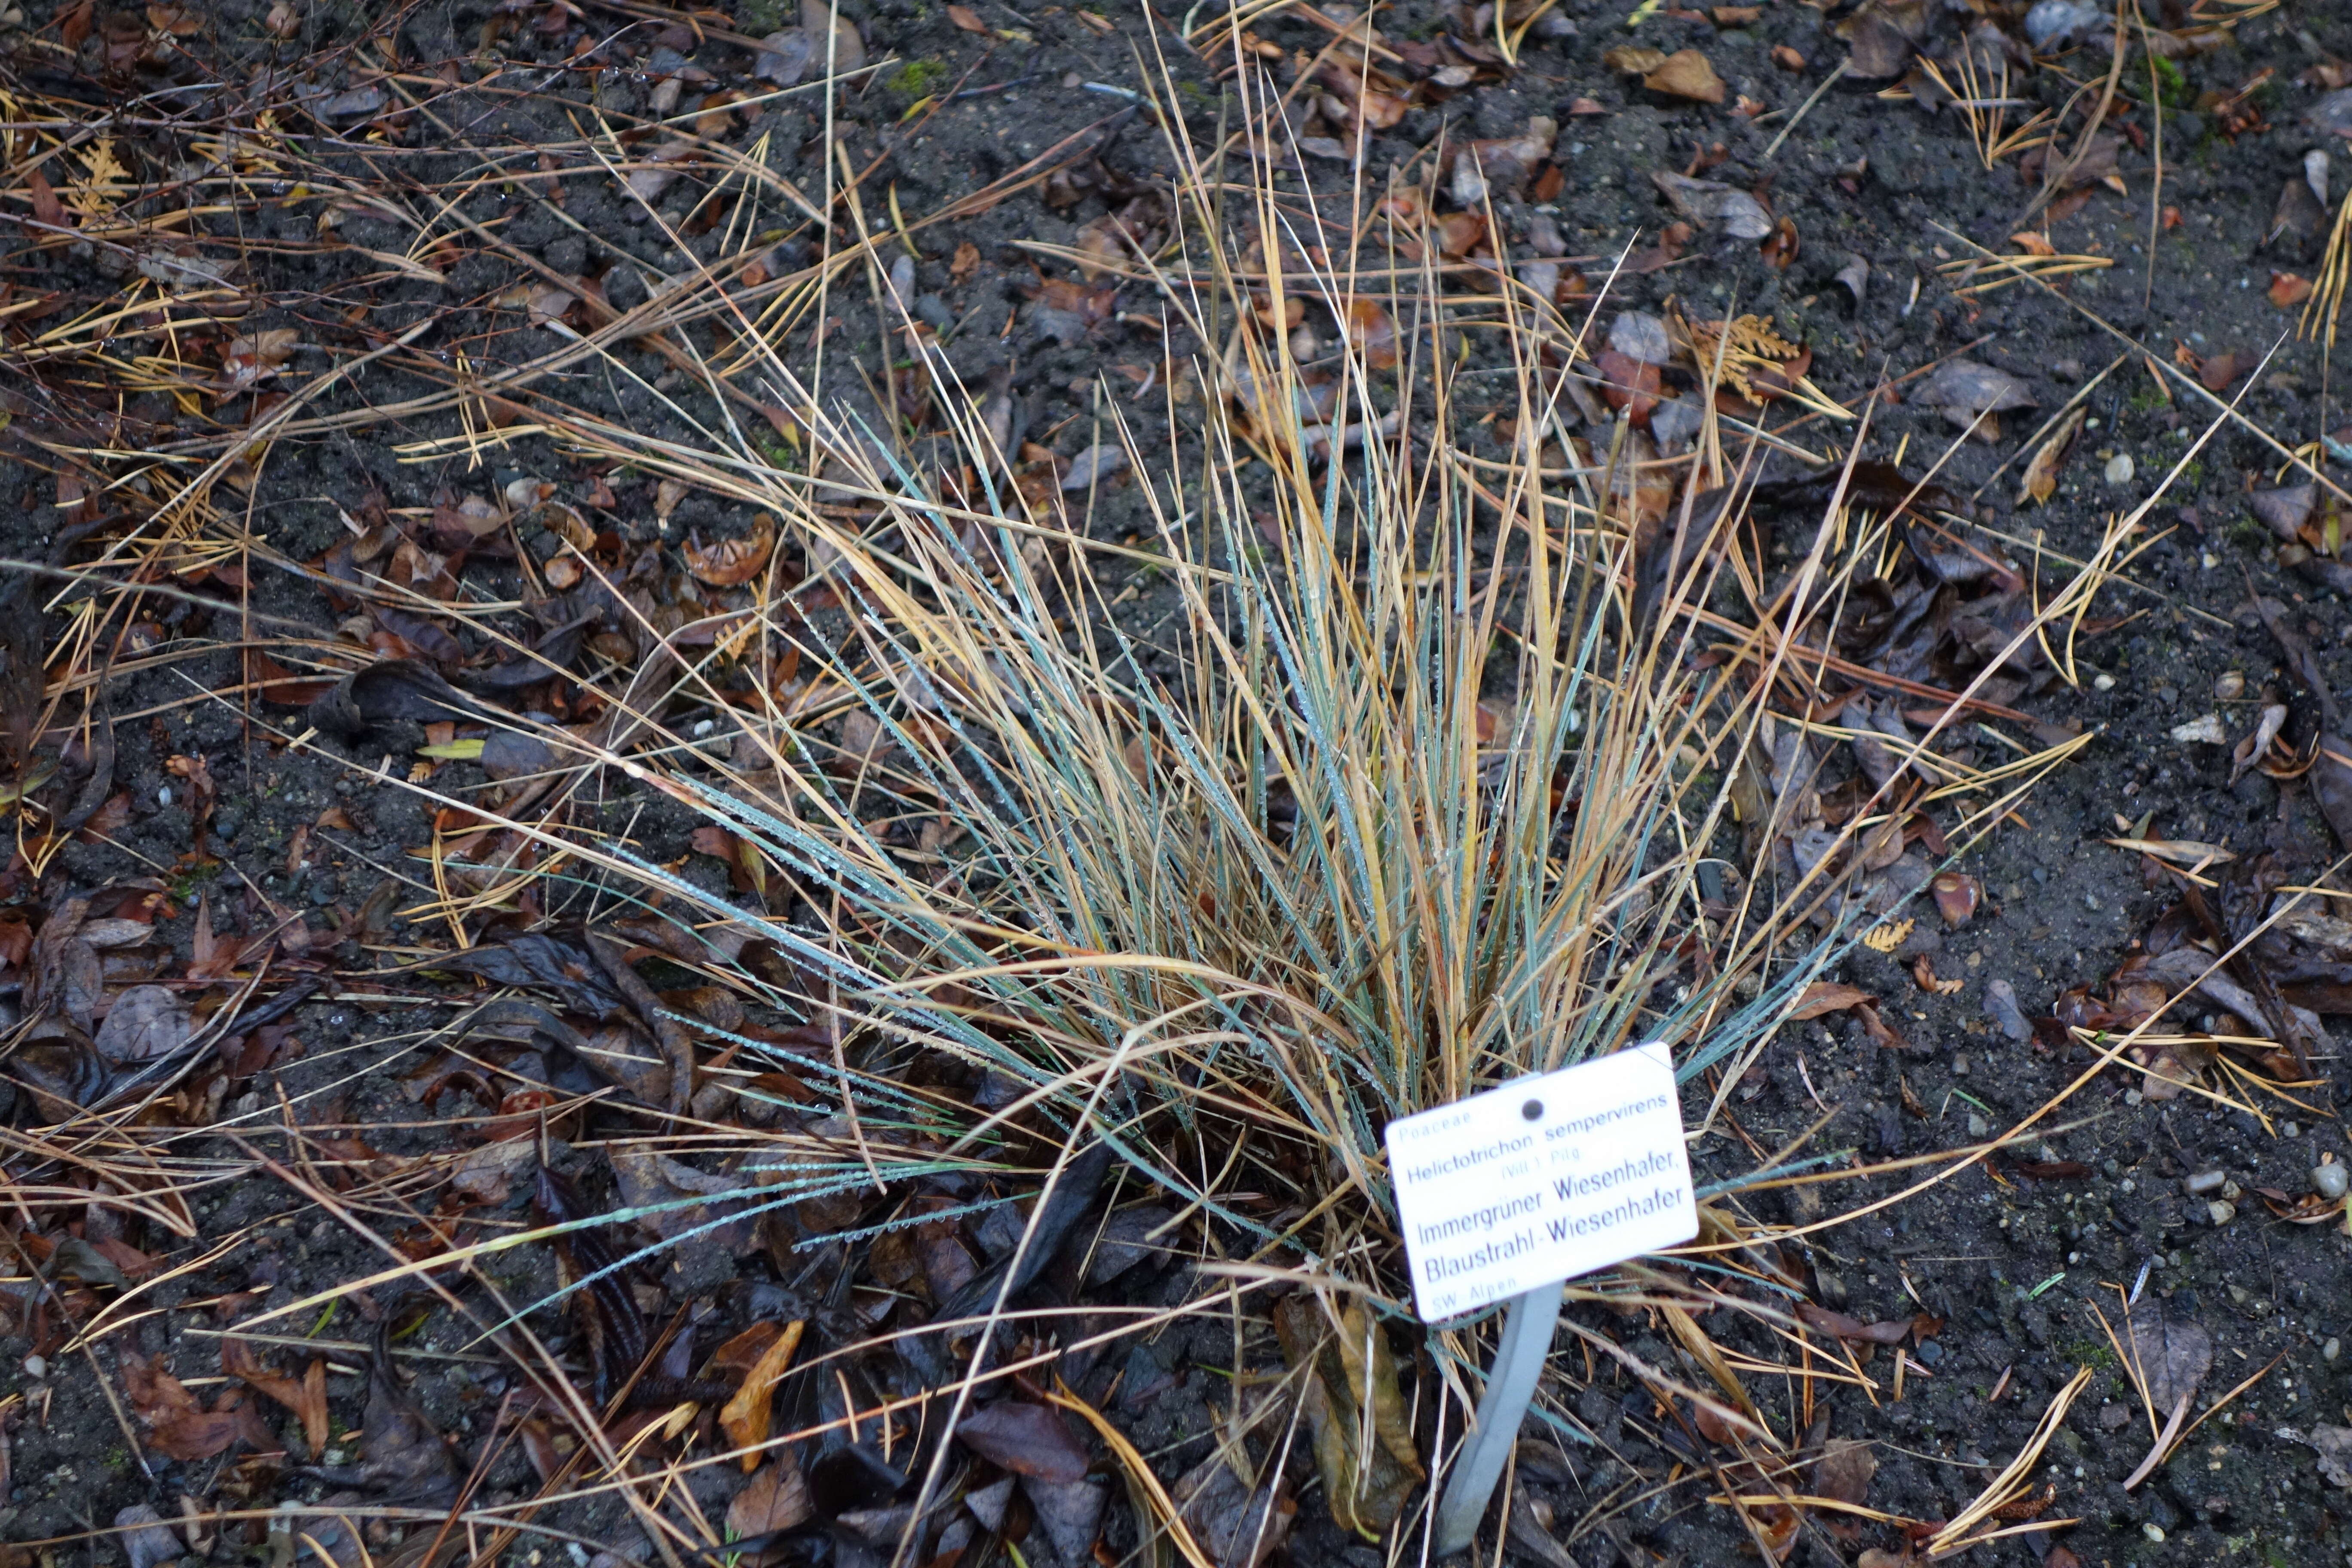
pixel 2015 1480
pixel 1705 1353
pixel 2323 313
pixel 2027 267
pixel 1165 1516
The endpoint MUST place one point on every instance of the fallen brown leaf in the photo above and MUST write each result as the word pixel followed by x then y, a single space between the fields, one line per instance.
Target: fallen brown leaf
pixel 1957 894
pixel 1628 383
pixel 144 1023
pixel 1843 1474
pixel 404 1458
pixel 2220 369
pixel 1356 1419
pixel 1070 1513
pixel 1883 1033
pixel 46 208
pixel 1687 74
pixel 1667 252
pixel 1027 1439
pixel 1839 1325
pixel 1827 996
pixel 1845 1471
pixel 307 1398
pixel 1633 59
pixel 177 1426
pixel 2170 1356
pixel 1239 1516
pixel 774 1498
pixel 1923 970
pixel 744 1418
pixel 1372 333
pixel 1458 233
pixel 2049 1170
pixel 731 562
pixel 2042 468
pixel 738 1355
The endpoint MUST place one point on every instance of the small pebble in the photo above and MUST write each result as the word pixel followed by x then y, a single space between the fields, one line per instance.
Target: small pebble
pixel 2120 470
pixel 2332 1349
pixel 2153 1530
pixel 2104 681
pixel 2331 1181
pixel 35 1367
pixel 2204 1182
pixel 163 796
pixel 2231 686
pixel 2290 1130
pixel 1930 1353
pixel 2221 1213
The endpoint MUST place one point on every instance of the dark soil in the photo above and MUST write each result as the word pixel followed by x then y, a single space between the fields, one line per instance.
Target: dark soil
pixel 2013 1264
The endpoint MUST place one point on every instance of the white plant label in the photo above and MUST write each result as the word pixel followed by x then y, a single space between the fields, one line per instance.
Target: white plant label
pixel 1543 1179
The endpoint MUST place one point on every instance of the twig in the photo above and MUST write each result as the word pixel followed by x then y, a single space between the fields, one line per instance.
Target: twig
pixel 1805 108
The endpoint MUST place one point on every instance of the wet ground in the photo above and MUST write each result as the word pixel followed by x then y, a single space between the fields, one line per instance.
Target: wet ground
pixel 2014 1263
